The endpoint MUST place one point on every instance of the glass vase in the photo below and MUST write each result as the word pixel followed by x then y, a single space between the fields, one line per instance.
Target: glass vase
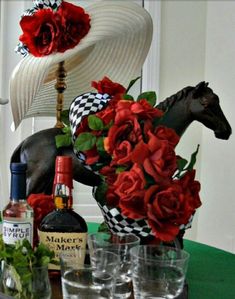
pixel 25 283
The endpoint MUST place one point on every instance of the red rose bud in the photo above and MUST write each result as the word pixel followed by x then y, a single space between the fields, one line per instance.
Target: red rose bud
pixel 108 86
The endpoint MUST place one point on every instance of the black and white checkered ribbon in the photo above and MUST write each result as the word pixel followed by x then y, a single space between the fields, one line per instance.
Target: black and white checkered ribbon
pixel 83 105
pixel 38 4
pixel 119 223
pixel 54 4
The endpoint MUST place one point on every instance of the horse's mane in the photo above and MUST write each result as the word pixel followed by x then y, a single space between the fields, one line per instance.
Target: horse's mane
pixel 171 100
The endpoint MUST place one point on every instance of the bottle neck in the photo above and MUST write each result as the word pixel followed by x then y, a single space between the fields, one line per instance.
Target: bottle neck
pixel 63 183
pixel 63 197
pixel 18 187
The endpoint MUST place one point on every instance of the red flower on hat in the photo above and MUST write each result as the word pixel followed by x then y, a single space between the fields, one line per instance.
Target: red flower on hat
pixel 48 31
pixel 40 32
pixel 75 25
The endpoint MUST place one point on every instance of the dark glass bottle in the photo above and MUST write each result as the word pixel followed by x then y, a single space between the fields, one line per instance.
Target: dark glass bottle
pixel 17 216
pixel 63 228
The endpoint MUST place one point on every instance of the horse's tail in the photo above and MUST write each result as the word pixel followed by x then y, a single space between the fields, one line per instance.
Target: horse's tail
pixel 16 154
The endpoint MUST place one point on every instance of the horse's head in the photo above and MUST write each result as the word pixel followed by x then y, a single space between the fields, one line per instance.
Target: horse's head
pixel 206 109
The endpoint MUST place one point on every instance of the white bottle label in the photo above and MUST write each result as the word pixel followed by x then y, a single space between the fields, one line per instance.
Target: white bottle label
pixel 13 231
pixel 59 242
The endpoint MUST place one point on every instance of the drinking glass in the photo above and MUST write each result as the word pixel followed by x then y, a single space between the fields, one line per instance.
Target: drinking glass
pixel 120 244
pixel 158 271
pixel 88 277
pixel 25 283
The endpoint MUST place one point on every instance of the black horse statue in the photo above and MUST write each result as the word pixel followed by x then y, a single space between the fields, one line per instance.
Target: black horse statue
pixel 39 151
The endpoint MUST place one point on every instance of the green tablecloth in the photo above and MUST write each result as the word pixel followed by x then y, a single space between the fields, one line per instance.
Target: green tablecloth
pixel 211 271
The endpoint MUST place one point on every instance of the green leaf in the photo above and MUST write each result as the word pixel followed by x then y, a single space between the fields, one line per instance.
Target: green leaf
pixel 85 141
pixel 149 180
pixel 65 117
pixel 128 97
pixel 63 140
pixel 193 159
pixel 150 96
pixel 181 163
pixel 109 125
pixel 16 278
pixel 95 123
pixel 121 169
pixel 67 130
pixel 132 83
pixel 100 144
pixel 43 254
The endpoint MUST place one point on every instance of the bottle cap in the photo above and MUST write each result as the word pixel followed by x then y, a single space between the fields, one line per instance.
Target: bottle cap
pixel 63 171
pixel 18 167
pixel 18 181
pixel 63 164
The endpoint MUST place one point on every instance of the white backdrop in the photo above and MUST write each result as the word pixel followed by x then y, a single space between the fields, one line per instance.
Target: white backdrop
pixel 193 41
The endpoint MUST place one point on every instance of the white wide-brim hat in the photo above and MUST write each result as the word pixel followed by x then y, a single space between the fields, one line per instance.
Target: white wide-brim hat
pixel 115 46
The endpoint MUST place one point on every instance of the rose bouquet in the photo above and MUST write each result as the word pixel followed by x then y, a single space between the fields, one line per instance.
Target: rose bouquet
pixel 144 181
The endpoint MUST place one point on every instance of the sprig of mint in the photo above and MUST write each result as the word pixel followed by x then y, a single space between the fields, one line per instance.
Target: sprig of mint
pixel 21 259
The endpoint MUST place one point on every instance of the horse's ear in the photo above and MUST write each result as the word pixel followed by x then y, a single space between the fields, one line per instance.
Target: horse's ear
pixel 199 88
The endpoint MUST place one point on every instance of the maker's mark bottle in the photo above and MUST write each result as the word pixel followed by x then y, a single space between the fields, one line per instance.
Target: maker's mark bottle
pixel 17 216
pixel 63 229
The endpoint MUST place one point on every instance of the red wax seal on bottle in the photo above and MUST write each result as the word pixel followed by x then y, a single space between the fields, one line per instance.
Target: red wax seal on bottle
pixel 63 171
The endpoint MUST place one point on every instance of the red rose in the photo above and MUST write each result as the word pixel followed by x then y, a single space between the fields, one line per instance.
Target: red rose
pixel 145 110
pixel 130 187
pixel 167 210
pixel 126 128
pixel 191 189
pixel 41 32
pixel 147 126
pixel 109 173
pixel 111 197
pixel 42 205
pixel 92 156
pixel 129 130
pixel 132 205
pixel 122 153
pixel 168 134
pixel 106 115
pixel 108 86
pixel 157 157
pixel 75 24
